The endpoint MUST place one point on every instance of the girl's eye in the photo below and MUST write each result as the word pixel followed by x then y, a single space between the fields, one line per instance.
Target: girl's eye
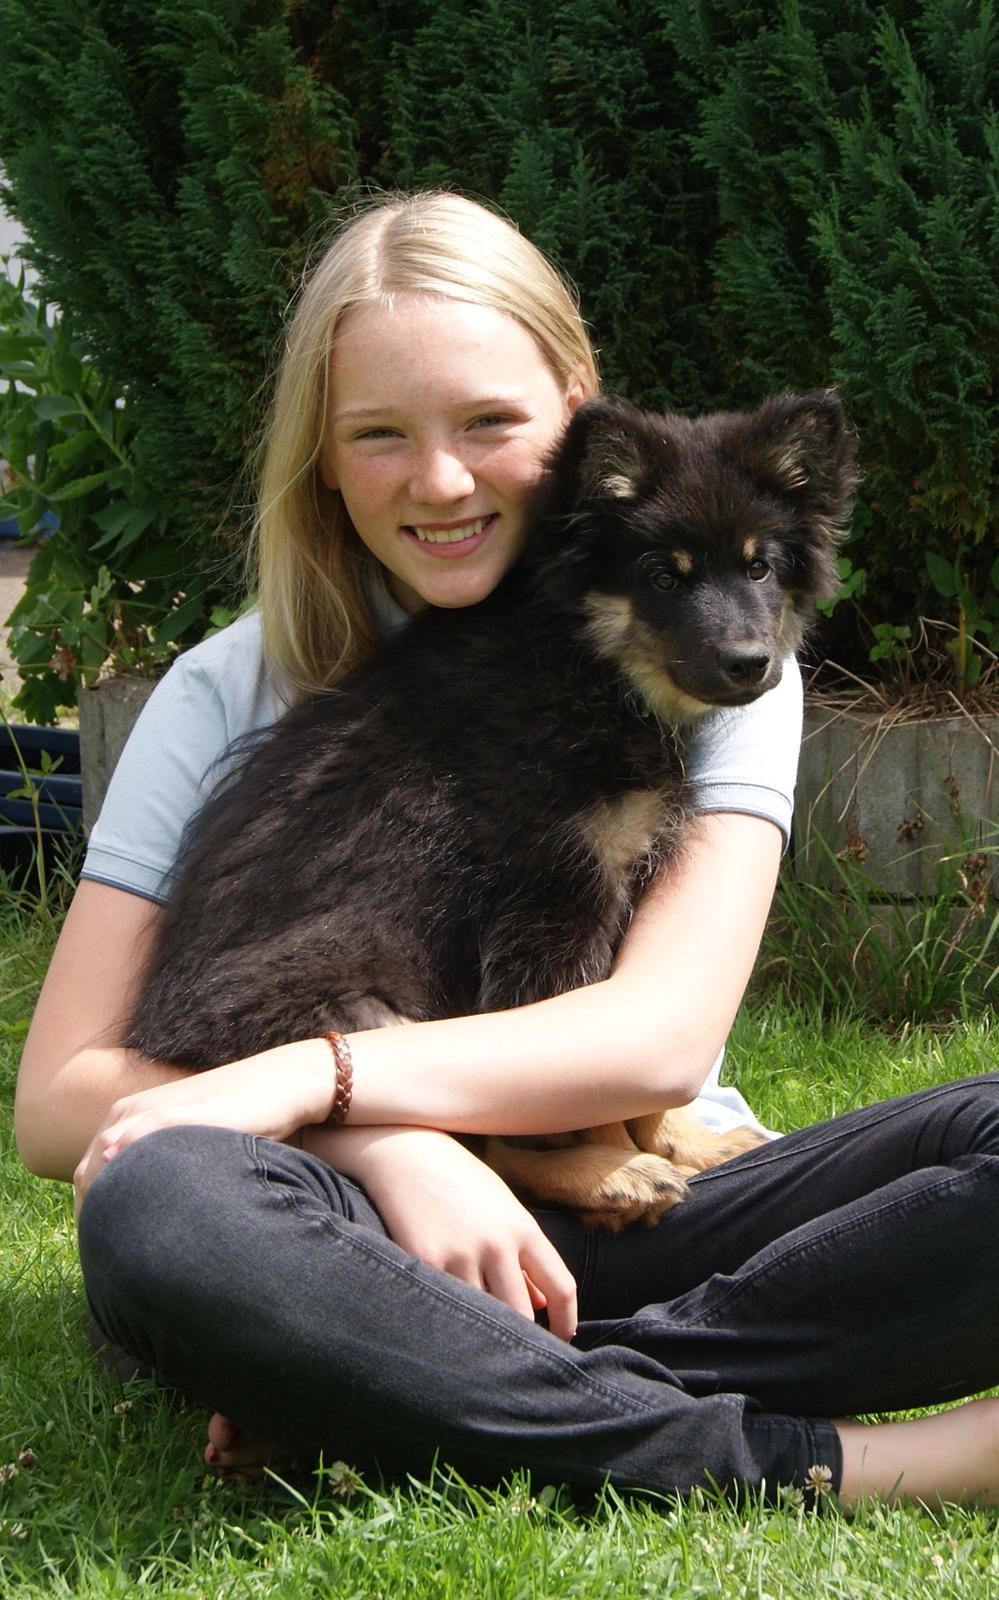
pixel 496 421
pixel 377 433
pixel 664 580
pixel 758 568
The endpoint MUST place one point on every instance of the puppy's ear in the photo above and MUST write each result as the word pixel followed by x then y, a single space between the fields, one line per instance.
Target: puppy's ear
pixel 802 446
pixel 606 452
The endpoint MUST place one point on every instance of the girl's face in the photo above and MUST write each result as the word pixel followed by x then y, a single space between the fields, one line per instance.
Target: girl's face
pixel 439 414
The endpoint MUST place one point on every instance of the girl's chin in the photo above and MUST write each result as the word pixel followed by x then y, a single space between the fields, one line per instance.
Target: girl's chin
pixel 452 589
pixel 466 591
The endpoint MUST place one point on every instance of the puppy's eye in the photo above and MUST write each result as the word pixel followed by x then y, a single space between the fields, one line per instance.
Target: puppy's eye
pixel 663 580
pixel 757 569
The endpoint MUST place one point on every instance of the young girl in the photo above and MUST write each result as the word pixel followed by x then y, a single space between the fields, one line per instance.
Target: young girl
pixel 372 1289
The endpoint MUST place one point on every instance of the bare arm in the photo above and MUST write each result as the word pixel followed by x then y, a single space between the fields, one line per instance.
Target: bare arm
pixel 643 1039
pixel 70 1074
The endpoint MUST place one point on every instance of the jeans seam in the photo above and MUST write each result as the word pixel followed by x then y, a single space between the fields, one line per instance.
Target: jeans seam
pixel 711 1315
pixel 347 1232
pixel 888 1110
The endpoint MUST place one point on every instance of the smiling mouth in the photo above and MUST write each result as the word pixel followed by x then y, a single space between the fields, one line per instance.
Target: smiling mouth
pixel 455 535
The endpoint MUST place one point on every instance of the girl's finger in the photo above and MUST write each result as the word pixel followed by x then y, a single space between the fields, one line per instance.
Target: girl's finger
pixel 538 1300
pixel 504 1280
pixel 545 1267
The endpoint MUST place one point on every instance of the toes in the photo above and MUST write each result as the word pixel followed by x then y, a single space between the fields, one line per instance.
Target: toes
pixel 640 1194
pixel 222 1432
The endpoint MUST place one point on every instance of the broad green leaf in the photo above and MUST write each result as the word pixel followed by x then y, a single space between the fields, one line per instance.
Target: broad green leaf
pixel 162 561
pixel 66 369
pixel 59 605
pixel 31 514
pixel 81 486
pixel 111 518
pixel 179 621
pixel 70 452
pixel 17 346
pixel 93 652
pixel 34 650
pixel 941 574
pixel 124 522
pixel 54 406
pixel 68 567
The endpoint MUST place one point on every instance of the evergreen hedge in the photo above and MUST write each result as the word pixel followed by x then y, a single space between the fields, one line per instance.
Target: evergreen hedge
pixel 749 197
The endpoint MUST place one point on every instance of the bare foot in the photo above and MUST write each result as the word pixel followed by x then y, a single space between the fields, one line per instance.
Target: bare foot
pixel 951 1456
pixel 234 1453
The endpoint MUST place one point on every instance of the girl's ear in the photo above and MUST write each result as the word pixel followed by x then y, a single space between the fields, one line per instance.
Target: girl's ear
pixel 574 395
pixel 327 474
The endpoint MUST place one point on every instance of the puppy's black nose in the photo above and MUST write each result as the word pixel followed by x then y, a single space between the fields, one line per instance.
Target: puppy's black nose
pixel 744 665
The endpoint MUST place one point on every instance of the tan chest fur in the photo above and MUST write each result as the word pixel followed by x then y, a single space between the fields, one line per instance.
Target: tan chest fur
pixel 621 832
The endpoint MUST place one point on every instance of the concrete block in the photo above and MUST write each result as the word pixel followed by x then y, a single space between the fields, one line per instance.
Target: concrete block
pixel 108 713
pixel 899 796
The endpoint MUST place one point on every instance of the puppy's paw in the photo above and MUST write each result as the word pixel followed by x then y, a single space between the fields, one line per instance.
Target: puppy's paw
pixel 638 1189
pixel 681 1138
pixel 736 1143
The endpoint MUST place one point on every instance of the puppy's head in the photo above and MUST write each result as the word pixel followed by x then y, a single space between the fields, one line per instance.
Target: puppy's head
pixel 697 549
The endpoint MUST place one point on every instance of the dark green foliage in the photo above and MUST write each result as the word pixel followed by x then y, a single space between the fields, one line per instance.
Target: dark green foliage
pixel 169 164
pixel 570 117
pixel 910 244
pixel 748 196
pixel 853 150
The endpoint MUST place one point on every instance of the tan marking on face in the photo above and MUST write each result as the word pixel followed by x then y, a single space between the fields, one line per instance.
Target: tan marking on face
pixel 664 698
pixel 611 620
pixel 621 831
pixel 619 636
pixel 750 550
pixel 683 562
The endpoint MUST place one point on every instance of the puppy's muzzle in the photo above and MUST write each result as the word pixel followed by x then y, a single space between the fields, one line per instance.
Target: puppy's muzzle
pixel 744 666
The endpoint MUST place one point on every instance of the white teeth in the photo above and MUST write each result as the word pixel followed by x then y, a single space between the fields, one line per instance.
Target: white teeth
pixel 451 535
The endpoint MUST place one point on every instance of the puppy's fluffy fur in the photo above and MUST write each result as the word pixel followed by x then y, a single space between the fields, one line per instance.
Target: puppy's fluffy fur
pixel 466 823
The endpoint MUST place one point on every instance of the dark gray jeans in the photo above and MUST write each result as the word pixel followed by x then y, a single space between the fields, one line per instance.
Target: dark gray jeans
pixel 850 1267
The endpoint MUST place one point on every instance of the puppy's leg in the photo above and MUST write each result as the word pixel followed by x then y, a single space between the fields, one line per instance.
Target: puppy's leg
pixel 553 927
pixel 355 1012
pixel 680 1136
pixel 609 1185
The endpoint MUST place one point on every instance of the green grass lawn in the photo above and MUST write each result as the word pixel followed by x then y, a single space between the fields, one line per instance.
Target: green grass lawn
pixel 111 1499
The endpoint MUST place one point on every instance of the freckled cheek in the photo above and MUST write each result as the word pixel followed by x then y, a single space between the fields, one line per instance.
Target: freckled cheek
pixel 370 486
pixel 515 468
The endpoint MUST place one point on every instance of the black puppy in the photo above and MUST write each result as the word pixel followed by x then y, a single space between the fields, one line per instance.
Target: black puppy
pixel 466 823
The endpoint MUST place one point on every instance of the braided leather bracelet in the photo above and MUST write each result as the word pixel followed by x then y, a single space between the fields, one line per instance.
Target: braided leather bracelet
pixel 344 1083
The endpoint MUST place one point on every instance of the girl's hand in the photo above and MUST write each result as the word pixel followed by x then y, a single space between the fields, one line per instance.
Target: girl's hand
pixel 250 1095
pixel 441 1203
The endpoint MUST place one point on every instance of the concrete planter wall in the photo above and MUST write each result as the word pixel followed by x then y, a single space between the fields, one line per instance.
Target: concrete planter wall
pixel 897 796
pixel 107 716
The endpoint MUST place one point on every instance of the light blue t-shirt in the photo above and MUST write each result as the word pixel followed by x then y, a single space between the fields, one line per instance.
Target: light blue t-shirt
pixel 741 760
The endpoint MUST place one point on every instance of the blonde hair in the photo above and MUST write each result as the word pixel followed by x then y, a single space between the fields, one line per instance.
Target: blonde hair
pixel 306 561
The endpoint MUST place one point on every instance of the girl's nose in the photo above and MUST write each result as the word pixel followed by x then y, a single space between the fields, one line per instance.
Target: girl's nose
pixel 439 476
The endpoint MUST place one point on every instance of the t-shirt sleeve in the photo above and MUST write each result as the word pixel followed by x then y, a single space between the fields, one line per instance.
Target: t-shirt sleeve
pixel 162 778
pixel 746 759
